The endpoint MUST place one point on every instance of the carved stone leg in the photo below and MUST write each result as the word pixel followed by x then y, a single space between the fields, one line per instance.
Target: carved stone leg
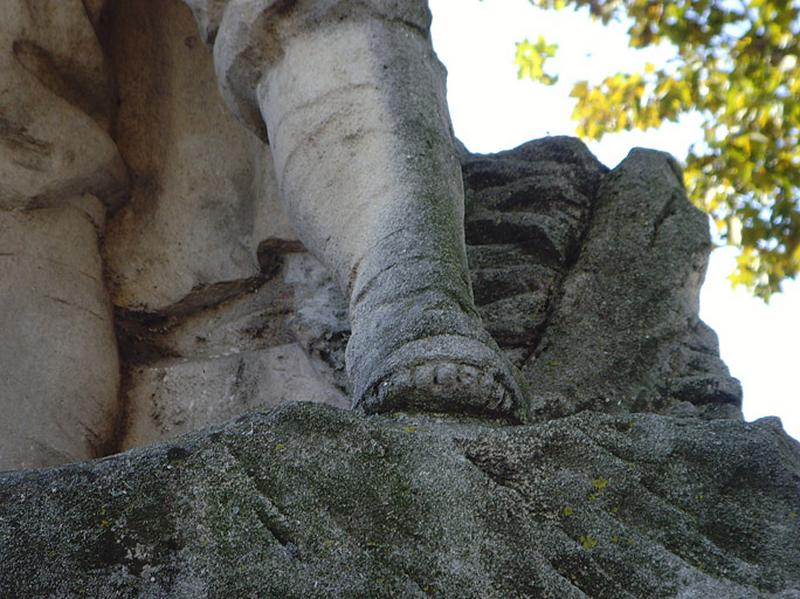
pixel 58 355
pixel 353 99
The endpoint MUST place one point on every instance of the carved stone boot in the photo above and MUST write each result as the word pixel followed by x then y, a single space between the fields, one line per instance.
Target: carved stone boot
pixel 353 98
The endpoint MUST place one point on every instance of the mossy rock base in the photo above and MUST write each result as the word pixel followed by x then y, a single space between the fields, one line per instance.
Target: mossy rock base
pixel 311 501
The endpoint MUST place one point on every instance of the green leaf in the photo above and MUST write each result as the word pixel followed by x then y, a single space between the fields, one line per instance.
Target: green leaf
pixel 530 60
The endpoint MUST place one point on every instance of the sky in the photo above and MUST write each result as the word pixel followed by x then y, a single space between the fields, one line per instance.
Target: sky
pixel 492 110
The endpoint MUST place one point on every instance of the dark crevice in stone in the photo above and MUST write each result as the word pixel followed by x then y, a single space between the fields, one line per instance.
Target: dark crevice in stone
pixel 670 209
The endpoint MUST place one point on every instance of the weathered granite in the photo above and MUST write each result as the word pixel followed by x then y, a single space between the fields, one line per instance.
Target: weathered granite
pixel 530 224
pixel 624 333
pixel 527 210
pixel 312 501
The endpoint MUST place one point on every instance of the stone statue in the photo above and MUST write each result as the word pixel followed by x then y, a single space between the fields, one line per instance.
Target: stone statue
pixel 352 99
pixel 164 268
pixel 151 285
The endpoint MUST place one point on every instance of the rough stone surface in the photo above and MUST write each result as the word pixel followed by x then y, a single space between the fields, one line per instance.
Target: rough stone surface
pixel 527 212
pixel 264 343
pixel 530 227
pixel 256 342
pixel 311 501
pixel 624 332
pixel 179 396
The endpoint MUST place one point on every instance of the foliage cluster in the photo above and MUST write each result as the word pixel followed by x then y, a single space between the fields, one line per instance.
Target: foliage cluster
pixel 738 64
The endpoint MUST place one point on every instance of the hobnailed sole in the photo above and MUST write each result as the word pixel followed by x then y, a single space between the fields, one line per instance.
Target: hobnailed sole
pixel 444 373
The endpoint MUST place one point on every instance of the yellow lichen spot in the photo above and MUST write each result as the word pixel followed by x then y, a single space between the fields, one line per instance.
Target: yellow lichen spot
pixel 600 484
pixel 614 539
pixel 793 515
pixel 588 542
pixel 615 509
pixel 104 522
pixel 567 511
pixel 280 446
pixel 409 429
